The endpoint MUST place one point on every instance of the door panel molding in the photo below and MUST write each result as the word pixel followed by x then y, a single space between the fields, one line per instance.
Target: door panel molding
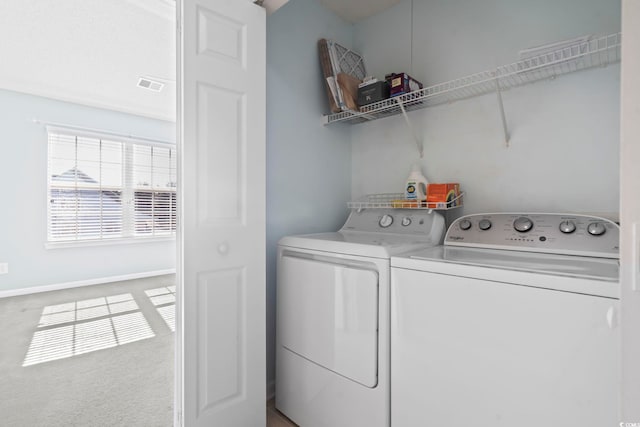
pixel 221 354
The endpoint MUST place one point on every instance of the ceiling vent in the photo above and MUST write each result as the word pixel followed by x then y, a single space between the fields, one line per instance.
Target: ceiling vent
pixel 147 83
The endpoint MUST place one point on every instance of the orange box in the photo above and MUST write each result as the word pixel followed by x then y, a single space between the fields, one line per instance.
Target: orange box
pixel 442 196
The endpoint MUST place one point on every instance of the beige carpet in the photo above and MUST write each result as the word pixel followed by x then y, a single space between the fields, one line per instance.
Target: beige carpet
pixel 93 356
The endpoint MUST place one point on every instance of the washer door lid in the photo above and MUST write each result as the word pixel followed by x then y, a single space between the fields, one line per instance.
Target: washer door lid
pixel 328 314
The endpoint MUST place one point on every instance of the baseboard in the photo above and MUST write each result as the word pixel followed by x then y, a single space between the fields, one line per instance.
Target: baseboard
pixel 79 283
pixel 271 390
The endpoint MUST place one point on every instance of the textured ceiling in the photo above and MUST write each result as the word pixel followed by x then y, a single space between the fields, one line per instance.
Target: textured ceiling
pixel 91 52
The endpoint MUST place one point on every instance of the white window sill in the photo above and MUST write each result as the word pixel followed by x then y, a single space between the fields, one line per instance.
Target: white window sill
pixel 108 242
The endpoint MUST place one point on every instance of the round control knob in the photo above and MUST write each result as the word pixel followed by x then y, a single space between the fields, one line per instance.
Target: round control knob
pixel 523 224
pixel 385 221
pixel 484 224
pixel 567 227
pixel 465 224
pixel 406 221
pixel 596 229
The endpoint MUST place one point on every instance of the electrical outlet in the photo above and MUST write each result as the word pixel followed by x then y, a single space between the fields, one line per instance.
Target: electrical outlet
pixel 4 267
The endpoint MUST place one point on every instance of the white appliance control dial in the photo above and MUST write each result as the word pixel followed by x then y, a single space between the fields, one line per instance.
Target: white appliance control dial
pixel 523 224
pixel 484 224
pixel 385 221
pixel 567 227
pixel 465 224
pixel 406 221
pixel 596 229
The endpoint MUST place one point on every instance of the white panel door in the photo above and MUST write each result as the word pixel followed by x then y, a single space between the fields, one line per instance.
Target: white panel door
pixel 222 267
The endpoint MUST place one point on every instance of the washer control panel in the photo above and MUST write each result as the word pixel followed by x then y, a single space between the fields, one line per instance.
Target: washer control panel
pixel 566 234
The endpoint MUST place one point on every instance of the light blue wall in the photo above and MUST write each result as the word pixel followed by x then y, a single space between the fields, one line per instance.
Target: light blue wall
pixel 23 213
pixel 564 132
pixel 308 165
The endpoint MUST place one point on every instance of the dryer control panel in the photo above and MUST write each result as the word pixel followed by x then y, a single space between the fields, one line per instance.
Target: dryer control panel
pixel 412 222
pixel 566 234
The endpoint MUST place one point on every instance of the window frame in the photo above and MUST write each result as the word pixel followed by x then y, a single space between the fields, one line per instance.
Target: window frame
pixel 128 188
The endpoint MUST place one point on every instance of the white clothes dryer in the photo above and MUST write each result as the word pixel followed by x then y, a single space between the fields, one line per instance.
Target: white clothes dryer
pixel 511 323
pixel 332 355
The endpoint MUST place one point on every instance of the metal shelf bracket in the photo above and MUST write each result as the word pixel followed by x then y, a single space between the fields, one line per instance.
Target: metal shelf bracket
pixel 502 115
pixel 416 138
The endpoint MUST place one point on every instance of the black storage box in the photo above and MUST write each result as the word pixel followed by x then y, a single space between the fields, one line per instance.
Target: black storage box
pixel 373 92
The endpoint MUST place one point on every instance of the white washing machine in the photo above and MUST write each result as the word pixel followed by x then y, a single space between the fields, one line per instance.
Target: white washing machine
pixel 511 323
pixel 332 338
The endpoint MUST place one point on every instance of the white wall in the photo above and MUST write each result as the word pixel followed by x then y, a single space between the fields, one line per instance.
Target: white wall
pixel 23 173
pixel 564 132
pixel 308 165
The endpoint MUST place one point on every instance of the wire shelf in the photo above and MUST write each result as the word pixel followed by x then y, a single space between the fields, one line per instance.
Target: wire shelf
pixel 580 56
pixel 397 201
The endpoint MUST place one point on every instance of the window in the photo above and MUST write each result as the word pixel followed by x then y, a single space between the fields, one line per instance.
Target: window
pixel 109 188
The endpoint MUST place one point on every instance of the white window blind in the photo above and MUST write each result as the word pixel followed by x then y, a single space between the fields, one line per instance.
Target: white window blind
pixel 154 189
pixel 101 188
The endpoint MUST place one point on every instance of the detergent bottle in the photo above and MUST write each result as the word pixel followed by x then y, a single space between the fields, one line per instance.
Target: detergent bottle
pixel 416 188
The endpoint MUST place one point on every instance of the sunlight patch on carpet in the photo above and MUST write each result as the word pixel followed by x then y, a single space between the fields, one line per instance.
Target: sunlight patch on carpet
pixel 79 327
pixel 86 309
pixel 168 313
pixel 160 296
pixel 164 300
